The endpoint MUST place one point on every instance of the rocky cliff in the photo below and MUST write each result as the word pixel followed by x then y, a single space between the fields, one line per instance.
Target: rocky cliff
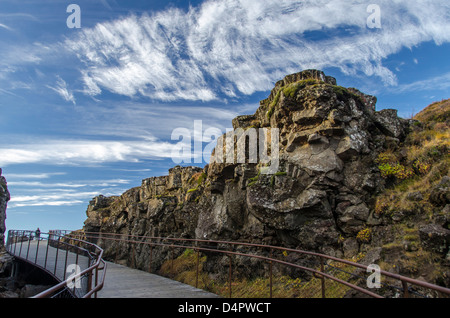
pixel 322 198
pixel 4 198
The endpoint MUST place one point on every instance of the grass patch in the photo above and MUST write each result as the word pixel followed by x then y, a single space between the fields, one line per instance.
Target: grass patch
pixel 289 91
pixel 437 112
pixel 198 178
pixel 184 269
pixel 418 165
pixel 254 180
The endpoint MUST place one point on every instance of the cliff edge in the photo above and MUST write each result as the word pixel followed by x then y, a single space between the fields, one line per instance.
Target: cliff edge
pixel 324 196
pixel 4 198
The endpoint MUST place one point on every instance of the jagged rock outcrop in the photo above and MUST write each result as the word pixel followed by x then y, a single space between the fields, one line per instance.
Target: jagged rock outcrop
pixel 329 138
pixel 321 198
pixel 4 198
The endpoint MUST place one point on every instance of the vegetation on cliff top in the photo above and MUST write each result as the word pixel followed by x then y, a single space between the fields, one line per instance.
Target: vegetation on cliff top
pixel 414 195
pixel 420 164
pixel 413 171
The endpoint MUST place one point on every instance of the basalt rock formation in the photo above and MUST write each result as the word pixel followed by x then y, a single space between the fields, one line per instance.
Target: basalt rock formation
pixel 322 193
pixel 4 198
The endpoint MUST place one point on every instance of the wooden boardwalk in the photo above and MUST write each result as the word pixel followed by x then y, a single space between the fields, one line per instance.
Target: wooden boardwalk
pixel 125 282
pixel 120 281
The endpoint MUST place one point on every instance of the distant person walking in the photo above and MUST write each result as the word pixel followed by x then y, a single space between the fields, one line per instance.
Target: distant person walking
pixel 38 233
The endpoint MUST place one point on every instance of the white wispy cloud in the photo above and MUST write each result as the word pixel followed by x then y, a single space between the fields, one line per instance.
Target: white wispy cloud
pixel 128 120
pixel 235 47
pixel 18 15
pixel 108 183
pixel 5 27
pixel 441 82
pixel 63 91
pixel 46 193
pixel 46 203
pixel 14 57
pixel 51 197
pixel 43 175
pixel 60 197
pixel 125 132
pixel 83 152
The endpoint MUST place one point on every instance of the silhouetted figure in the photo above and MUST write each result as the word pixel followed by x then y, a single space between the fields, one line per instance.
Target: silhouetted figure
pixel 38 233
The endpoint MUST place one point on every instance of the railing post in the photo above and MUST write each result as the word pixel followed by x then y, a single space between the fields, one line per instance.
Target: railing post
pixel 230 274
pixel 197 268
pixel 57 252
pixel 37 251
pixel 15 242
pixel 21 243
pixel 74 281
pixel 270 273
pixel 321 277
pixel 117 252
pixel 133 261
pixel 46 252
pixel 405 289
pixel 28 248
pixel 172 270
pixel 65 262
pixel 151 259
pixel 96 280
pixel 89 286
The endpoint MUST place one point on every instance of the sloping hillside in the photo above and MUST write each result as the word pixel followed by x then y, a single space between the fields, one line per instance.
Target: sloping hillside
pixel 414 208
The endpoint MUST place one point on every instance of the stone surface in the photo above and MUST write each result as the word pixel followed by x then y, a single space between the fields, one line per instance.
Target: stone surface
pixel 440 194
pixel 329 139
pixel 4 198
pixel 435 237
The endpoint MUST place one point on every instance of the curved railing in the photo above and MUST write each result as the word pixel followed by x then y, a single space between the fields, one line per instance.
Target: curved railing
pixel 75 264
pixel 325 268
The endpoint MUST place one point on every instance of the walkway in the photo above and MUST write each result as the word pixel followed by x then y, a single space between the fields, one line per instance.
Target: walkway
pixel 120 281
pixel 49 258
pixel 125 282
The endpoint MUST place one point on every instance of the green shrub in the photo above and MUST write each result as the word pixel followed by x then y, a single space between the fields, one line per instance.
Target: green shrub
pixel 386 157
pixel 421 167
pixel 395 170
pixel 364 236
pixel 290 91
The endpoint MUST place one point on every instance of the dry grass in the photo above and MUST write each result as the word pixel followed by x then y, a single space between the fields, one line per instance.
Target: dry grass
pixel 184 267
pixel 425 155
pixel 437 112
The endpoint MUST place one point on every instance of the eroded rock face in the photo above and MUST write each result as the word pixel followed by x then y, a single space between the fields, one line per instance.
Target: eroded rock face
pixel 4 198
pixel 329 138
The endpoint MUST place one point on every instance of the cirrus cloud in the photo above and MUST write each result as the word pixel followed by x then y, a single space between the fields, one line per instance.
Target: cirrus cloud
pixel 238 47
pixel 83 152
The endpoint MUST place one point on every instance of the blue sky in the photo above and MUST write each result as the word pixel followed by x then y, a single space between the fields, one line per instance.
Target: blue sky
pixel 90 110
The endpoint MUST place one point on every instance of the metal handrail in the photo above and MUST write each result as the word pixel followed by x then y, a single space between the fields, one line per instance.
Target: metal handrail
pixel 93 253
pixel 175 243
